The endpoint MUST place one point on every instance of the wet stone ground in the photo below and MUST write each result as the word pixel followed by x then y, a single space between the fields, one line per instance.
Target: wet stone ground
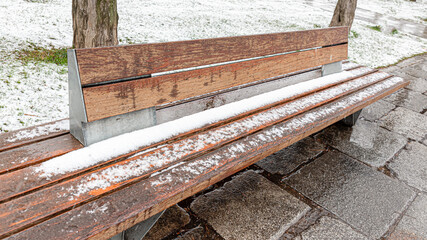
pixel 364 182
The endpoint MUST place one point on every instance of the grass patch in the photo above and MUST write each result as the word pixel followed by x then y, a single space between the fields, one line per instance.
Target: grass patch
pixel 40 54
pixel 394 31
pixel 353 34
pixel 376 28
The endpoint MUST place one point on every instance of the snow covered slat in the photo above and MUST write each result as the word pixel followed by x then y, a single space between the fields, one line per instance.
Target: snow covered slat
pixel 124 97
pixel 121 209
pixel 33 153
pixel 63 196
pixel 33 134
pixel 136 60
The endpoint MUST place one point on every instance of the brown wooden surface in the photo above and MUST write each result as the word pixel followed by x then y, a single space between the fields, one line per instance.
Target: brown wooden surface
pixel 149 196
pixel 113 99
pixel 33 181
pixel 33 153
pixel 109 63
pixel 7 142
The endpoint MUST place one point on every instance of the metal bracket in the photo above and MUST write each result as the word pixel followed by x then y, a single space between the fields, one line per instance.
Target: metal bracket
pixel 351 119
pixel 331 68
pixel 91 132
pixel 138 231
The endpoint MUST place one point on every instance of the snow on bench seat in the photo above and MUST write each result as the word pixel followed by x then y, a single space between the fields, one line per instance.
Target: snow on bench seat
pixel 134 199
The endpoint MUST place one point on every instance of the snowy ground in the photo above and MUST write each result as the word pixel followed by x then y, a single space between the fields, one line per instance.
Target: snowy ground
pixel 35 93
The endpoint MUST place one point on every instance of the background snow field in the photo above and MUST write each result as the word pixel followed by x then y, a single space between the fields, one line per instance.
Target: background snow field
pixel 35 92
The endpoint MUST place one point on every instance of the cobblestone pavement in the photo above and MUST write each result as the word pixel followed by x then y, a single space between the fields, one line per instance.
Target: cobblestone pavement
pixel 364 182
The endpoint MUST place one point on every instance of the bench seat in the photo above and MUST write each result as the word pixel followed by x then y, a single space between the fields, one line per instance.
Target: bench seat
pixel 110 196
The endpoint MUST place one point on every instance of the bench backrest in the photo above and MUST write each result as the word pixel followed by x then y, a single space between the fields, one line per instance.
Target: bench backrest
pixel 124 83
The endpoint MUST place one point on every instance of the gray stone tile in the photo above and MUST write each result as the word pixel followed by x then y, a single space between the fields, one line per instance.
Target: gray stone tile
pixel 391 69
pixel 414 223
pixel 418 70
pixel 406 122
pixel 171 221
pixel 377 110
pixel 329 228
pixel 408 99
pixel 364 141
pixel 417 84
pixel 410 61
pixel 364 198
pixel 249 207
pixel 199 233
pixel 288 159
pixel 411 165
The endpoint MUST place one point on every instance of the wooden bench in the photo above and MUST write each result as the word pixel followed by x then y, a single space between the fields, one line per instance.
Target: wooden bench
pixel 197 126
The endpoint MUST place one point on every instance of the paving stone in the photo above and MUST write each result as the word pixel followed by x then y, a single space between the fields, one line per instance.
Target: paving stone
pixel 410 61
pixel 411 165
pixel 406 122
pixel 377 110
pixel 249 207
pixel 417 84
pixel 413 224
pixel 364 198
pixel 364 141
pixel 418 70
pixel 408 99
pixel 199 233
pixel 171 221
pixel 288 159
pixel 329 228
pixel 391 69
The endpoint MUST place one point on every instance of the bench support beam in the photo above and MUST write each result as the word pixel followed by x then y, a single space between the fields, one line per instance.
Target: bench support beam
pixel 331 68
pixel 139 230
pixel 91 132
pixel 335 68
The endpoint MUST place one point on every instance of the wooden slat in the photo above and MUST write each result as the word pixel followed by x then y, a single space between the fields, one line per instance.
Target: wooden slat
pixel 65 195
pixel 37 152
pixel 113 213
pixel 109 63
pixel 33 181
pixel 29 135
pixel 114 99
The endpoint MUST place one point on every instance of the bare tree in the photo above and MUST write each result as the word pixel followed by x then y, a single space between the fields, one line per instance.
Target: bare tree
pixel 344 13
pixel 95 23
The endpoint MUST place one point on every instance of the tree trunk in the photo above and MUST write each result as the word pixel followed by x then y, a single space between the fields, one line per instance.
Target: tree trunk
pixel 95 23
pixel 344 13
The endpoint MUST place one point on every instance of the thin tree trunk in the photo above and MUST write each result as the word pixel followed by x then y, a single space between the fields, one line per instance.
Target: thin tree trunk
pixel 95 23
pixel 344 13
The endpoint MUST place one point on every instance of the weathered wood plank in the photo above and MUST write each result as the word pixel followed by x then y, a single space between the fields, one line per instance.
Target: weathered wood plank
pixel 33 134
pixel 30 154
pixel 66 195
pixel 113 213
pixel 109 63
pixel 113 99
pixel 33 181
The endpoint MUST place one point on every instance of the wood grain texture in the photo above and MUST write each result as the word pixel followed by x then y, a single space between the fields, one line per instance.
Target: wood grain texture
pixel 30 154
pixel 110 63
pixel 33 181
pixel 113 99
pixel 113 213
pixel 18 138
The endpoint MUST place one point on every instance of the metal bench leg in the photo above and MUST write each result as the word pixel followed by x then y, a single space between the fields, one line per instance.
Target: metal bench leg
pixel 352 119
pixel 138 231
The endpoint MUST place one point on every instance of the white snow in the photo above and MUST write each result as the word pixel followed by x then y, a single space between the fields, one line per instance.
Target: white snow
pixel 36 93
pixel 40 131
pixel 116 146
pixel 172 155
